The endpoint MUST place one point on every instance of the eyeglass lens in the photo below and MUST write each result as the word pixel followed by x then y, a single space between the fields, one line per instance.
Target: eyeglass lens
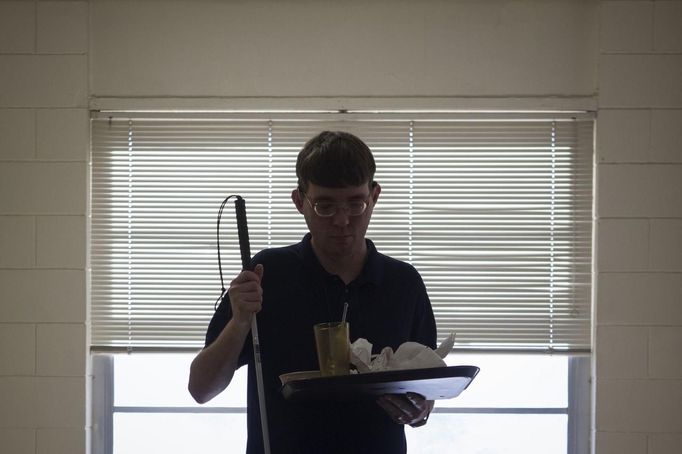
pixel 328 209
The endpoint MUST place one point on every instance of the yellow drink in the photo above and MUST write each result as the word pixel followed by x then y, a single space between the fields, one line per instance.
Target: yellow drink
pixel 333 348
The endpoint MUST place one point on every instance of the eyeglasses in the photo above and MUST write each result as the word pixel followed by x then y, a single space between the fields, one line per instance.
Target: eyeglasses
pixel 329 209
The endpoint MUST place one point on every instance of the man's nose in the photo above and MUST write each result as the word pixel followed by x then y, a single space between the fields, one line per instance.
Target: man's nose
pixel 341 216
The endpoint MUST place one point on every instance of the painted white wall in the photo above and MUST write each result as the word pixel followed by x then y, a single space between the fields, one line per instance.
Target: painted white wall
pixel 43 172
pixel 639 229
pixel 343 48
pixel 58 58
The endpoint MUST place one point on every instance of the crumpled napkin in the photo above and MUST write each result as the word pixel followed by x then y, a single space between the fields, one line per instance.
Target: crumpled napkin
pixel 410 355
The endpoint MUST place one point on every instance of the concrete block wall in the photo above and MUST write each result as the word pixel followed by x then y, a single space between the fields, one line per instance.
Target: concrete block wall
pixel 50 63
pixel 44 139
pixel 639 230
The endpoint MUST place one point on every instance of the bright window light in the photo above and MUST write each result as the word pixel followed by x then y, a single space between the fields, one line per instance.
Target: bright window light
pixel 518 404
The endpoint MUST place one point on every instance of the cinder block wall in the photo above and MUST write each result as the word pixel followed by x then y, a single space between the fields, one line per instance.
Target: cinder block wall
pixel 639 206
pixel 43 161
pixel 46 72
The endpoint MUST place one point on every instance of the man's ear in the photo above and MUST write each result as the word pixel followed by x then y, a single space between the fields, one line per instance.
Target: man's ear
pixel 297 199
pixel 376 190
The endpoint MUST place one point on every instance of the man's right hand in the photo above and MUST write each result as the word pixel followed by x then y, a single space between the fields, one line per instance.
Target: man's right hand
pixel 212 369
pixel 246 295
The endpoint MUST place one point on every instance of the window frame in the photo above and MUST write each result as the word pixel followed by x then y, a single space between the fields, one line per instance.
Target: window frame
pixel 578 409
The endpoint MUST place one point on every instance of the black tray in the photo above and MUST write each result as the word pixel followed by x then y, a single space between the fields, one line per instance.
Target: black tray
pixel 433 383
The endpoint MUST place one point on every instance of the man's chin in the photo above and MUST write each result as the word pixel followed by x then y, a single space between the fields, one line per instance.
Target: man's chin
pixel 342 248
pixel 341 241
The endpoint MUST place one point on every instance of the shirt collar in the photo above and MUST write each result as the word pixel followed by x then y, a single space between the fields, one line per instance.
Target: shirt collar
pixel 372 271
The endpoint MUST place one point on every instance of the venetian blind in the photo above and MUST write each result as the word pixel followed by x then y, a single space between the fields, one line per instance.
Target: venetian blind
pixel 494 210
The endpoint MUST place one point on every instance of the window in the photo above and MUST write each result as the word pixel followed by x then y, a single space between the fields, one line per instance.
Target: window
pixel 494 210
pixel 526 404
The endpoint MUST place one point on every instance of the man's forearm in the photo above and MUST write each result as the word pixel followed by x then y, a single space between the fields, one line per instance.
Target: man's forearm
pixel 213 368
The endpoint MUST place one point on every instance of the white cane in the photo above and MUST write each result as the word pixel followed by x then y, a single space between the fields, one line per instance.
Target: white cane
pixel 244 248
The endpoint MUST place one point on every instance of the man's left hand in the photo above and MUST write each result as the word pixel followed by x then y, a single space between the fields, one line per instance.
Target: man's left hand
pixel 410 408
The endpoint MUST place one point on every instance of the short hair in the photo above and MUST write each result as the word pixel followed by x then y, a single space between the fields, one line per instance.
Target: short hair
pixel 334 159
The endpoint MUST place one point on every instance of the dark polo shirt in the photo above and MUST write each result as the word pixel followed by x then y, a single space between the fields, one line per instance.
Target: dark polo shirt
pixel 388 305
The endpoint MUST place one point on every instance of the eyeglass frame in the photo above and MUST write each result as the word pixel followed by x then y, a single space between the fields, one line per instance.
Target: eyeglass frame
pixel 345 206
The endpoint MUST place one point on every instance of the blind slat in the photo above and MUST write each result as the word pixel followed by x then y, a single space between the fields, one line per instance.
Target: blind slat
pixel 495 211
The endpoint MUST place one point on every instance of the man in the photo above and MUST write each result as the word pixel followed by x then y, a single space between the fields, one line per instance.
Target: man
pixel 292 288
